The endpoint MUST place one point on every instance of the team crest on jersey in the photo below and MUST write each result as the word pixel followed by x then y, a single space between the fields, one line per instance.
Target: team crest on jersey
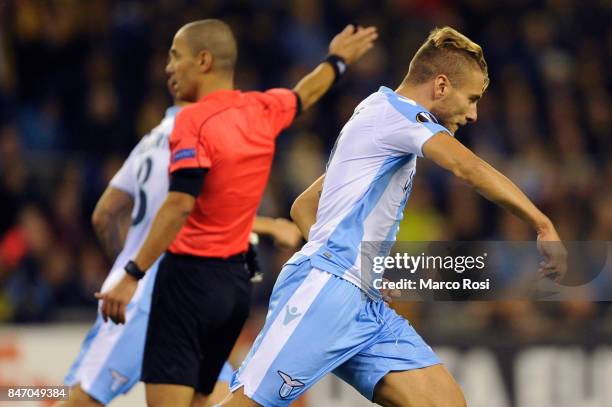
pixel 289 384
pixel 426 117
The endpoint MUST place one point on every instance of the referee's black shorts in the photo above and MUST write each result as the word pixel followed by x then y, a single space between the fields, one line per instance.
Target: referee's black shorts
pixel 198 308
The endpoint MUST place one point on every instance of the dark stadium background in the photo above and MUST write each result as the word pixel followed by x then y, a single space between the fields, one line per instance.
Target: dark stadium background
pixel 82 81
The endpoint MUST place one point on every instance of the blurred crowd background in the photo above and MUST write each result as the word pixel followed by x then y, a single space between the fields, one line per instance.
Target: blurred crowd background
pixel 82 81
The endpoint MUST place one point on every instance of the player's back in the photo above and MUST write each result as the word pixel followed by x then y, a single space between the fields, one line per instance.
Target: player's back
pixel 368 182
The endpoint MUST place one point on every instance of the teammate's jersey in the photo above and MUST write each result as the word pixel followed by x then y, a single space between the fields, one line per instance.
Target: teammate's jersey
pixel 367 184
pixel 144 176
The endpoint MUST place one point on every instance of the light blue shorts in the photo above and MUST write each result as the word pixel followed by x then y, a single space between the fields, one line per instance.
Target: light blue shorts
pixel 110 360
pixel 319 323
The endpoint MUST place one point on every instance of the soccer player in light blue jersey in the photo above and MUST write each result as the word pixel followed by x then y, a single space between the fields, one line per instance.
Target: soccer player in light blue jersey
pixel 325 314
pixel 110 360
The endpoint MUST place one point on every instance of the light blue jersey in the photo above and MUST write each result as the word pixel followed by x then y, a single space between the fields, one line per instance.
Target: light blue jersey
pixel 111 355
pixel 318 319
pixel 367 184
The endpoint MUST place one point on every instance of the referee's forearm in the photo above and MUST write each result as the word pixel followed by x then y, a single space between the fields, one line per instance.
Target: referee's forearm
pixel 314 85
pixel 166 225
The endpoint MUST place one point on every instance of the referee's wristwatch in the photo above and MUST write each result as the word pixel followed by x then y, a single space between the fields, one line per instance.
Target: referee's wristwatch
pixel 133 270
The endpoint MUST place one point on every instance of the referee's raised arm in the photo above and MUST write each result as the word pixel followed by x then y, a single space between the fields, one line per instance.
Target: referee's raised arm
pixel 344 49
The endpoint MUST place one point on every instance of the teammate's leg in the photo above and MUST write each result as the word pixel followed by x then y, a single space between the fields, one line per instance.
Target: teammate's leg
pixel 431 386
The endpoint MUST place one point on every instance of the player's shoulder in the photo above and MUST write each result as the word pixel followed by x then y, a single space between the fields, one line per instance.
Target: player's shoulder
pixel 158 136
pixel 404 109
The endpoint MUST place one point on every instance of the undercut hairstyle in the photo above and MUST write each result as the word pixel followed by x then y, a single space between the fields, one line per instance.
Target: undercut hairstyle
pixel 446 51
pixel 216 37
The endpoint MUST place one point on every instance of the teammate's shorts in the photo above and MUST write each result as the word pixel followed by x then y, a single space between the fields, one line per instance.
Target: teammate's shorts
pixel 319 323
pixel 110 360
pixel 198 308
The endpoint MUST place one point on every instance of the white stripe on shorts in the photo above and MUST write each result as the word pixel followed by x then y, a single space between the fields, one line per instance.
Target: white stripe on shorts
pixel 279 332
pixel 101 347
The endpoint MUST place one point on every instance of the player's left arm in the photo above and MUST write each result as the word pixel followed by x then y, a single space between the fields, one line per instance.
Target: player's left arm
pixel 304 208
pixel 450 154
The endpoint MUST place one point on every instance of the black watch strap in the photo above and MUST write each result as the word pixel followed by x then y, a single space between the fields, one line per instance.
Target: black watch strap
pixel 133 270
pixel 338 64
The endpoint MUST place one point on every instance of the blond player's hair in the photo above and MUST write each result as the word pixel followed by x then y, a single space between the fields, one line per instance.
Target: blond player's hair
pixel 446 51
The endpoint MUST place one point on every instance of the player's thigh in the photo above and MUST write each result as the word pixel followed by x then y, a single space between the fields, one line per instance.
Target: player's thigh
pixel 168 395
pixel 78 398
pixel 431 386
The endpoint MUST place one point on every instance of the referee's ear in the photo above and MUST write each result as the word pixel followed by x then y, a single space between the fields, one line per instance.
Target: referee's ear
pixel 205 60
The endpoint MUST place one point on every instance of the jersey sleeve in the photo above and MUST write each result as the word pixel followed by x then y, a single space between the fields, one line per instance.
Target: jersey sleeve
pixel 281 107
pixel 405 130
pixel 188 146
pixel 125 178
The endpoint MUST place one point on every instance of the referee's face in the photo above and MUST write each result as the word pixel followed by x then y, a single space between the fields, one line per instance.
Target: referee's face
pixel 182 69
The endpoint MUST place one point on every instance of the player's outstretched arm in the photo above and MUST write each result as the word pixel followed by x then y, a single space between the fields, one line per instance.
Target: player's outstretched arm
pixel 111 220
pixel 449 153
pixel 344 49
pixel 284 232
pixel 304 209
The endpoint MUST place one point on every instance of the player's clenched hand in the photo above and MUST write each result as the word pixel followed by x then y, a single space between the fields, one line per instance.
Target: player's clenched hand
pixel 351 44
pixel 286 233
pixel 554 265
pixel 115 301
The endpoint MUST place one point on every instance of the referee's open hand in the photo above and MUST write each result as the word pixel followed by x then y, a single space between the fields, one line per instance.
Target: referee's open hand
pixel 115 301
pixel 352 42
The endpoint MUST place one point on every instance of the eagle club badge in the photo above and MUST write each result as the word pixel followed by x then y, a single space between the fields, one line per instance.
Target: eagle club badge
pixel 118 380
pixel 289 384
pixel 426 117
